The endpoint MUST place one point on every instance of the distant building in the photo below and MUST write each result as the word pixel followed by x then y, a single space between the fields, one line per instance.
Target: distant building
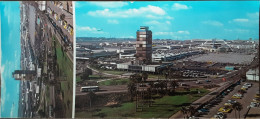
pixel 24 74
pixel 144 45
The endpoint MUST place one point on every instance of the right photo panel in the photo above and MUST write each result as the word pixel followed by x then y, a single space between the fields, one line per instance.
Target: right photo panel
pixel 167 59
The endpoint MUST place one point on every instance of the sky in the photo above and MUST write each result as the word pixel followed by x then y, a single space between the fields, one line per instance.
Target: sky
pixel 10 57
pixel 169 19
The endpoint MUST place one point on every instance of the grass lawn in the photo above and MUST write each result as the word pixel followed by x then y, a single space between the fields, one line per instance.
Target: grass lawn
pixel 97 77
pixel 66 75
pixel 122 81
pixel 78 79
pixel 161 108
pixel 115 72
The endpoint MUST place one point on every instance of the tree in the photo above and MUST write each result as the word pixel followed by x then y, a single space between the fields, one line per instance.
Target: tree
pixel 132 89
pixel 166 73
pixel 62 17
pixel 184 111
pixel 136 78
pixel 144 76
pixel 92 97
pixel 237 107
pixel 162 84
pixel 191 110
pixel 86 73
pixel 173 85
pixel 100 74
pixel 41 113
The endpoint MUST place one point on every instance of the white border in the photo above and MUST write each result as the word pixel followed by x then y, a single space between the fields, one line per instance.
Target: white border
pixel 74 61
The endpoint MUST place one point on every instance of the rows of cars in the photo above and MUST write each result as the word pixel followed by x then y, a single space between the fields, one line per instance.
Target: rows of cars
pixel 59 30
pixel 256 102
pixel 227 108
pixel 243 89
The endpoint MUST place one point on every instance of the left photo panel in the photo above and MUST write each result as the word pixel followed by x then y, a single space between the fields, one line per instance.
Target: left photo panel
pixel 36 59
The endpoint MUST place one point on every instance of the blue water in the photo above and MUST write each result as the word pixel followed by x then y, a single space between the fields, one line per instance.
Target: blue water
pixel 11 51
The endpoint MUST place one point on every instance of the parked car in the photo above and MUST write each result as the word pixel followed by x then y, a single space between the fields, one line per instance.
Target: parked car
pixel 253 104
pixel 203 110
pixel 219 115
pixel 225 109
pixel 248 85
pixel 256 100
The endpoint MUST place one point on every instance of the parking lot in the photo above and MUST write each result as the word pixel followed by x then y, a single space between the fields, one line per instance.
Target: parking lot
pixel 247 98
pixel 225 58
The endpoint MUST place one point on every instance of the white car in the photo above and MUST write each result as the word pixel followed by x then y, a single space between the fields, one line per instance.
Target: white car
pixel 253 104
pixel 238 95
pixel 219 115
pixel 231 101
pixel 248 85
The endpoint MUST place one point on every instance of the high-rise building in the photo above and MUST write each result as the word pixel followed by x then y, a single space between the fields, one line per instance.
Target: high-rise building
pixel 24 74
pixel 144 45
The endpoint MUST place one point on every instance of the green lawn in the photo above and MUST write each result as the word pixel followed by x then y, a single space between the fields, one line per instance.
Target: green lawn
pixel 161 108
pixel 122 81
pixel 66 75
pixel 115 72
pixel 78 79
pixel 97 77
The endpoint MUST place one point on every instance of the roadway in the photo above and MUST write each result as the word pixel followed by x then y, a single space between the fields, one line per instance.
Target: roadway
pixel 105 90
pixel 45 19
pixel 245 101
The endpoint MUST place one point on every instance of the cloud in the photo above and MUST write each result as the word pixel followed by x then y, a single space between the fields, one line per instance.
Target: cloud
pixel 159 25
pixel 153 22
pixel 251 20
pixel 112 21
pixel 183 32
pixel 254 15
pixel 228 30
pixel 109 4
pixel 3 88
pixel 93 30
pixel 213 23
pixel 86 28
pixel 240 20
pixel 237 30
pixel 173 33
pixel 12 111
pixel 178 6
pixel 164 33
pixel 242 30
pixel 140 12
pixel 169 17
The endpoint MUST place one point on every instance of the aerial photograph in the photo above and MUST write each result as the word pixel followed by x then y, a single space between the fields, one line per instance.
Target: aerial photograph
pixel 167 59
pixel 37 59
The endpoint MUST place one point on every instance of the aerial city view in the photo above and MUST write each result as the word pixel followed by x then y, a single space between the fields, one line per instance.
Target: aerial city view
pixel 37 43
pixel 192 59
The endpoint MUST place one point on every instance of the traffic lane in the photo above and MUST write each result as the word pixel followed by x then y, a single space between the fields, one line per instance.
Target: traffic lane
pixel 213 110
pixel 69 54
pixel 45 17
pixel 105 89
pixel 245 101
pixel 68 18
